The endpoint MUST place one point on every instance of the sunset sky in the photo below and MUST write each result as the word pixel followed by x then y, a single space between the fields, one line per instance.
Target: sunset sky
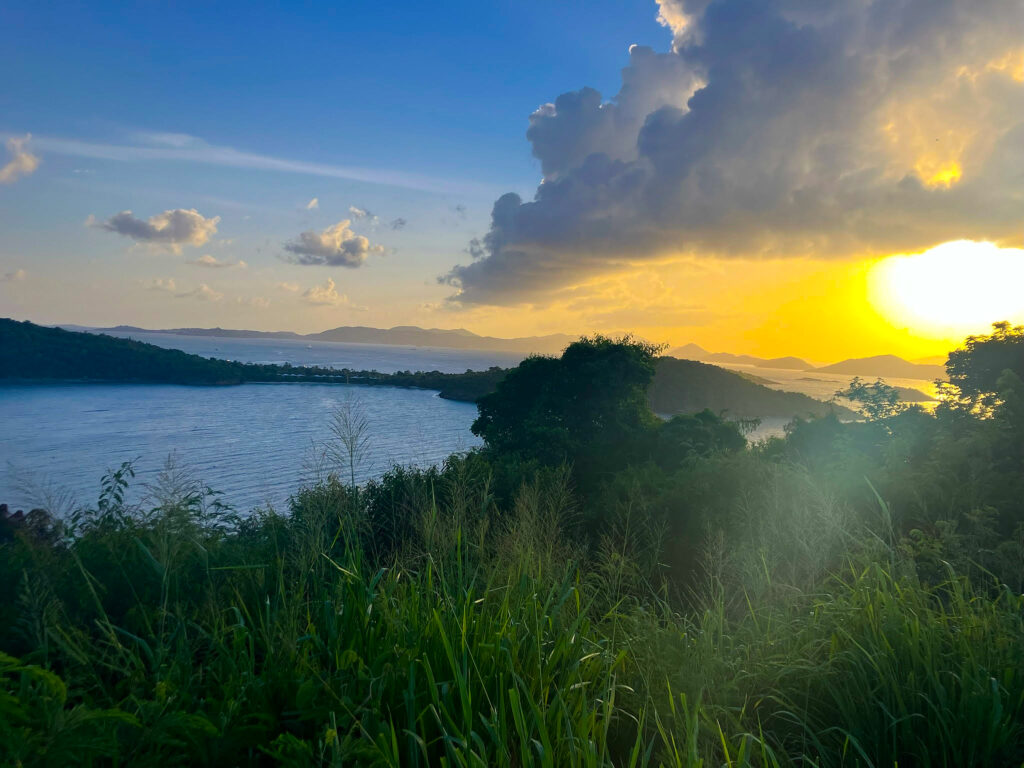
pixel 823 179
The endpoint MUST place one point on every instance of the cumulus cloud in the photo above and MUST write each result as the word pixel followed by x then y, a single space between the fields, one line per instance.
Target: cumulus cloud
pixel 336 246
pixel 22 162
pixel 772 128
pixel 171 229
pixel 15 276
pixel 313 204
pixel 212 262
pixel 326 294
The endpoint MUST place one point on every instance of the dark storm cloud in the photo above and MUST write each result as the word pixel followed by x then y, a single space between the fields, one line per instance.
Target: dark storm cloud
pixel 773 127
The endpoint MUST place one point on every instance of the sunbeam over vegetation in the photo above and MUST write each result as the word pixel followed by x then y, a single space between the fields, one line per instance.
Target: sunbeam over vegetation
pixel 594 587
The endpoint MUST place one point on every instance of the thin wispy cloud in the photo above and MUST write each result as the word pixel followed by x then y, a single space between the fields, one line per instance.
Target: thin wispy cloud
pixel 212 262
pixel 198 151
pixel 15 276
pixel 361 213
pixel 202 292
pixel 165 284
pixel 259 302
pixel 22 162
pixel 313 204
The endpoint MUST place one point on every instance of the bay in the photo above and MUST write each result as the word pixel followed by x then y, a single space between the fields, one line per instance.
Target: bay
pixel 255 443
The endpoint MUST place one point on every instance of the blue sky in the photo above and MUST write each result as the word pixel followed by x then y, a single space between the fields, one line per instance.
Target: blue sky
pixel 306 166
pixel 429 104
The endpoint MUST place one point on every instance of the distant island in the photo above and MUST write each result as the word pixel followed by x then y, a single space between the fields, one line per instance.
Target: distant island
pixel 886 366
pixel 882 366
pixel 400 335
pixel 30 352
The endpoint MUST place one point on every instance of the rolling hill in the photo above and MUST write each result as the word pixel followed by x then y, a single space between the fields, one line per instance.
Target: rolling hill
pixel 885 366
pixel 401 335
pixel 31 352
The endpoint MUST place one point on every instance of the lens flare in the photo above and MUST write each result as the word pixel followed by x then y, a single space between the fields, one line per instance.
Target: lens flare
pixel 955 289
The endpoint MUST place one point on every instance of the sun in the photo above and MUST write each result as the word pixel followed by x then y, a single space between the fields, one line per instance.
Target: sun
pixel 952 290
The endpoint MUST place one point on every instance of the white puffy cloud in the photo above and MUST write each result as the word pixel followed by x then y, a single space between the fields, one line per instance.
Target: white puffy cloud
pixel 206 260
pixel 171 229
pixel 773 128
pixel 325 294
pixel 22 162
pixel 336 246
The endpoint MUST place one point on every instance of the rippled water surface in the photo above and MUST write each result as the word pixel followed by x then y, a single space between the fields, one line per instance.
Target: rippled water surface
pixel 254 442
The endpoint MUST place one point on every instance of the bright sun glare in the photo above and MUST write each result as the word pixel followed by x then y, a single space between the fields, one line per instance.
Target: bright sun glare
pixel 952 290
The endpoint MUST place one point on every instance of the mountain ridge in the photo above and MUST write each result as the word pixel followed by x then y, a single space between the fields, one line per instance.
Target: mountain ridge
pixel 399 335
pixel 883 366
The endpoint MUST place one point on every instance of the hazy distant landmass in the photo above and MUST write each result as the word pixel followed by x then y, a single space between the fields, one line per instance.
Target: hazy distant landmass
pixel 697 352
pixel 32 352
pixel 884 366
pixel 686 386
pixel 401 335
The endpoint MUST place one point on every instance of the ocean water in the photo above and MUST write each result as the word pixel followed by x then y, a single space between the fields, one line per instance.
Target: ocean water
pixel 379 357
pixel 256 443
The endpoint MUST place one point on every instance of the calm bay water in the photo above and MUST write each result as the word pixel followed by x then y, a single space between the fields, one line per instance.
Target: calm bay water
pixel 255 443
pixel 380 357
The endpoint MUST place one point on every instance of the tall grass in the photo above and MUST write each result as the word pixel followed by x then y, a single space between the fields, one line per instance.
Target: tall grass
pixel 483 635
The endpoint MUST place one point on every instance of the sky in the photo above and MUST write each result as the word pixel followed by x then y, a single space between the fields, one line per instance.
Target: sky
pixel 812 177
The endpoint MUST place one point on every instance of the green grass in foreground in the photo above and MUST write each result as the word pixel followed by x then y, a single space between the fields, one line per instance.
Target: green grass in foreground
pixel 489 636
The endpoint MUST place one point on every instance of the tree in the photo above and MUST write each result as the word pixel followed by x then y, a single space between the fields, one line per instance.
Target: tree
pixel 589 406
pixel 876 401
pixel 975 369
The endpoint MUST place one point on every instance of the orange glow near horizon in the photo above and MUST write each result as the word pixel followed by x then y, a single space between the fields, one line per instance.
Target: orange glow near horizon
pixel 817 309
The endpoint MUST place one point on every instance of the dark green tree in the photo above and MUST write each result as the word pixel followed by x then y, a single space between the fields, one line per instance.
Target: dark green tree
pixel 975 369
pixel 588 407
pixel 876 401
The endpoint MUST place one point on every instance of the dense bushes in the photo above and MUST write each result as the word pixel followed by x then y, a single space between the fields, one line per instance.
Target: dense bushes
pixel 849 595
